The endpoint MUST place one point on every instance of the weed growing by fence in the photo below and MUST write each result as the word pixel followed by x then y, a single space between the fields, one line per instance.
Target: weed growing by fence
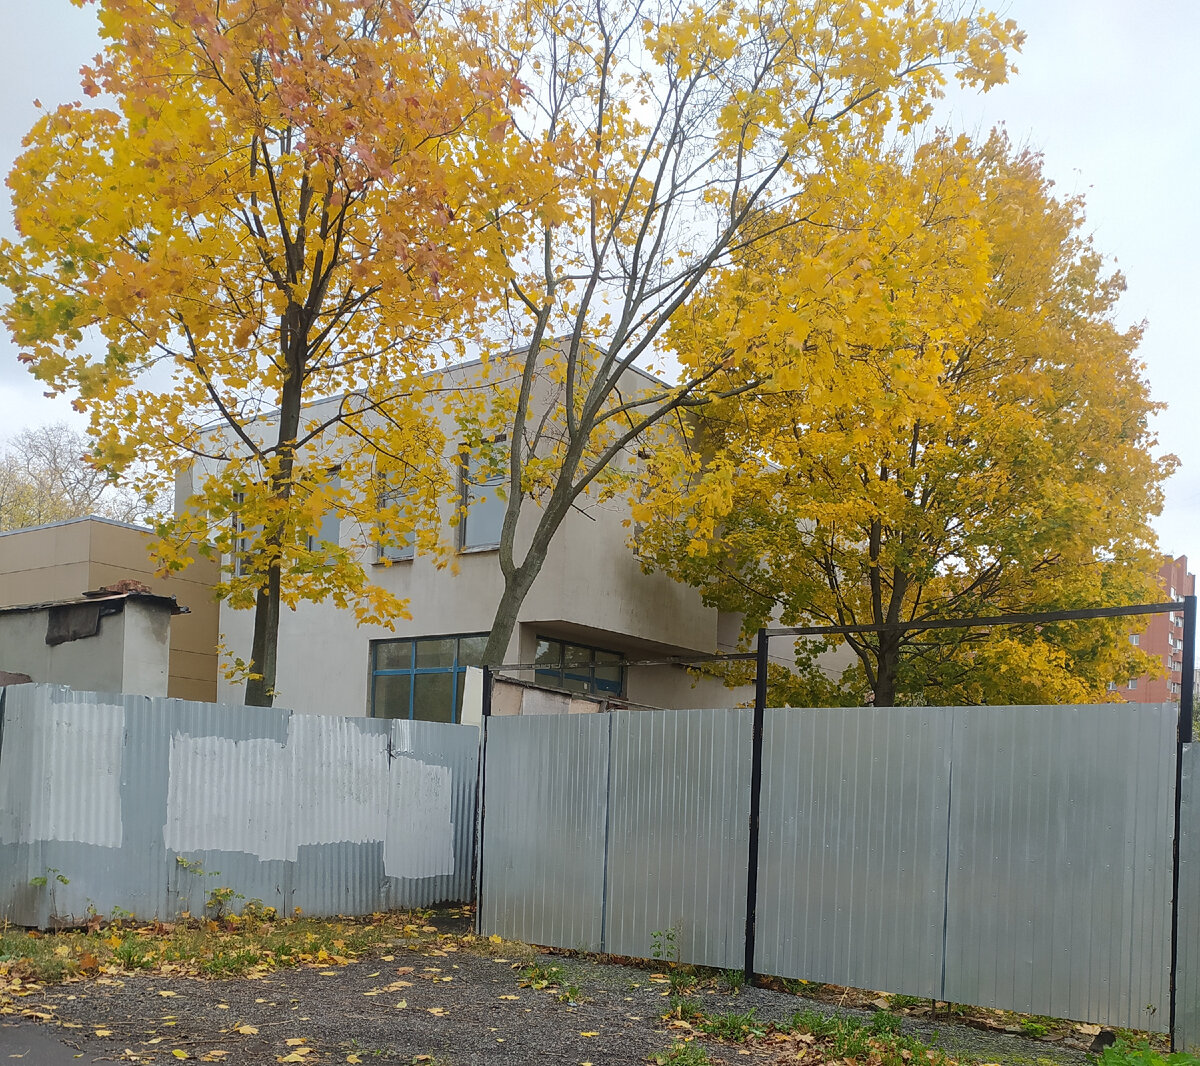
pixel 879 1041
pixel 683 1053
pixel 1140 1053
pixel 539 976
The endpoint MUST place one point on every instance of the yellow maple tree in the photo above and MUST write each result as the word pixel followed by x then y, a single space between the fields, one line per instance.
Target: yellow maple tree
pixel 670 129
pixel 262 204
pixel 956 428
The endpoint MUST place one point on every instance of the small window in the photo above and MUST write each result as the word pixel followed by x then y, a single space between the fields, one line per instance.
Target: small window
pixel 243 538
pixel 330 529
pixel 393 543
pixel 1112 686
pixel 1135 638
pixel 482 504
pixel 423 677
pixel 1132 683
pixel 579 668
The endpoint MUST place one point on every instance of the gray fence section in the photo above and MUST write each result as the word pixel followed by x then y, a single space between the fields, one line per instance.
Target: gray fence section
pixel 1187 980
pixel 148 805
pixel 852 870
pixel 1059 891
pixel 1016 857
pixel 679 789
pixel 544 814
pixel 601 831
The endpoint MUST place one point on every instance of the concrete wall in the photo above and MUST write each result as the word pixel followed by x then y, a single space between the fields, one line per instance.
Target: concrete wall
pixel 62 560
pixel 128 654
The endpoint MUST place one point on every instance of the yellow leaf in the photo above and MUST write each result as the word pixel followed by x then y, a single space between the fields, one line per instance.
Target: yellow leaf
pixel 179 1053
pixel 589 1034
pixel 104 1032
pixel 296 1041
pixel 247 1030
pixel 353 1058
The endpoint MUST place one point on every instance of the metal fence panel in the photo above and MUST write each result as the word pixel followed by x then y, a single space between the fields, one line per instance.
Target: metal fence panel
pixel 678 835
pixel 1060 861
pixel 544 815
pixel 852 860
pixel 150 805
pixel 1187 980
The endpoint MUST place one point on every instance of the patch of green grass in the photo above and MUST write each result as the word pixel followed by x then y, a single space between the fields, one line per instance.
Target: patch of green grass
pixel 682 1053
pixel 731 980
pixel 1030 1027
pixel 136 953
pixel 811 1021
pixel 234 946
pixel 681 979
pixel 884 1022
pixel 1140 1053
pixel 733 1026
pixel 902 1002
pixel 684 1007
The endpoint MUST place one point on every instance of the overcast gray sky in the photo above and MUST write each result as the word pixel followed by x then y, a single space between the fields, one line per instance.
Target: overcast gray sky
pixel 1106 89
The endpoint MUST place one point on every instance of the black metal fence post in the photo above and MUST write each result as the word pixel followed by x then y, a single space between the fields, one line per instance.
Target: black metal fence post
pixel 1183 735
pixel 756 750
pixel 1187 687
pixel 480 773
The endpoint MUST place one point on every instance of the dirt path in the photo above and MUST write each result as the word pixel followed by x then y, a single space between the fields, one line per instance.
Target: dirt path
pixel 431 1004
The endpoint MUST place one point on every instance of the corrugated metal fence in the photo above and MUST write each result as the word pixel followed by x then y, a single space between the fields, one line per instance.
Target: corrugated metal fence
pixel 1016 857
pixel 150 804
pixel 1012 857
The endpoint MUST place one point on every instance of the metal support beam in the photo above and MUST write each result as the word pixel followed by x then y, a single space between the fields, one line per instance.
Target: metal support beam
pixel 1183 735
pixel 756 751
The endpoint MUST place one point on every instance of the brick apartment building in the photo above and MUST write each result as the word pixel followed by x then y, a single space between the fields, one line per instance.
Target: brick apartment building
pixel 1163 636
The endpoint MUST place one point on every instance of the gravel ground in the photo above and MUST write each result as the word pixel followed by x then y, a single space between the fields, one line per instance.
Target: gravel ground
pixel 437 1007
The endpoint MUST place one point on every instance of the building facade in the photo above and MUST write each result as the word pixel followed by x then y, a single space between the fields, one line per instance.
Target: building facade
pixel 62 560
pixel 592 613
pixel 1163 638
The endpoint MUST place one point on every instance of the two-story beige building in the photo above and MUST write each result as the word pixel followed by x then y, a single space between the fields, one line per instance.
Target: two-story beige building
pixel 591 611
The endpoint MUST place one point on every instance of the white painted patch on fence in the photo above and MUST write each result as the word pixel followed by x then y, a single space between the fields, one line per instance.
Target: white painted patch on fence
pixel 341 780
pixel 80 743
pixel 229 795
pixel 420 833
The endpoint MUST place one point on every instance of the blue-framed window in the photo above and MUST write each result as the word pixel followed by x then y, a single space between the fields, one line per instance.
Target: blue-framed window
pixel 579 668
pixel 422 677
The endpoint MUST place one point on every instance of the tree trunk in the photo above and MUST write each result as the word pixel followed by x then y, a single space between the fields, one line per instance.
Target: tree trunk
pixel 886 670
pixel 516 587
pixel 260 686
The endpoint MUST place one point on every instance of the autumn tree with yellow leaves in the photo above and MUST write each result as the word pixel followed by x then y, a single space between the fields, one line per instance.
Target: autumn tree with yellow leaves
pixel 672 129
pixel 956 428
pixel 273 202
pixel 263 204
